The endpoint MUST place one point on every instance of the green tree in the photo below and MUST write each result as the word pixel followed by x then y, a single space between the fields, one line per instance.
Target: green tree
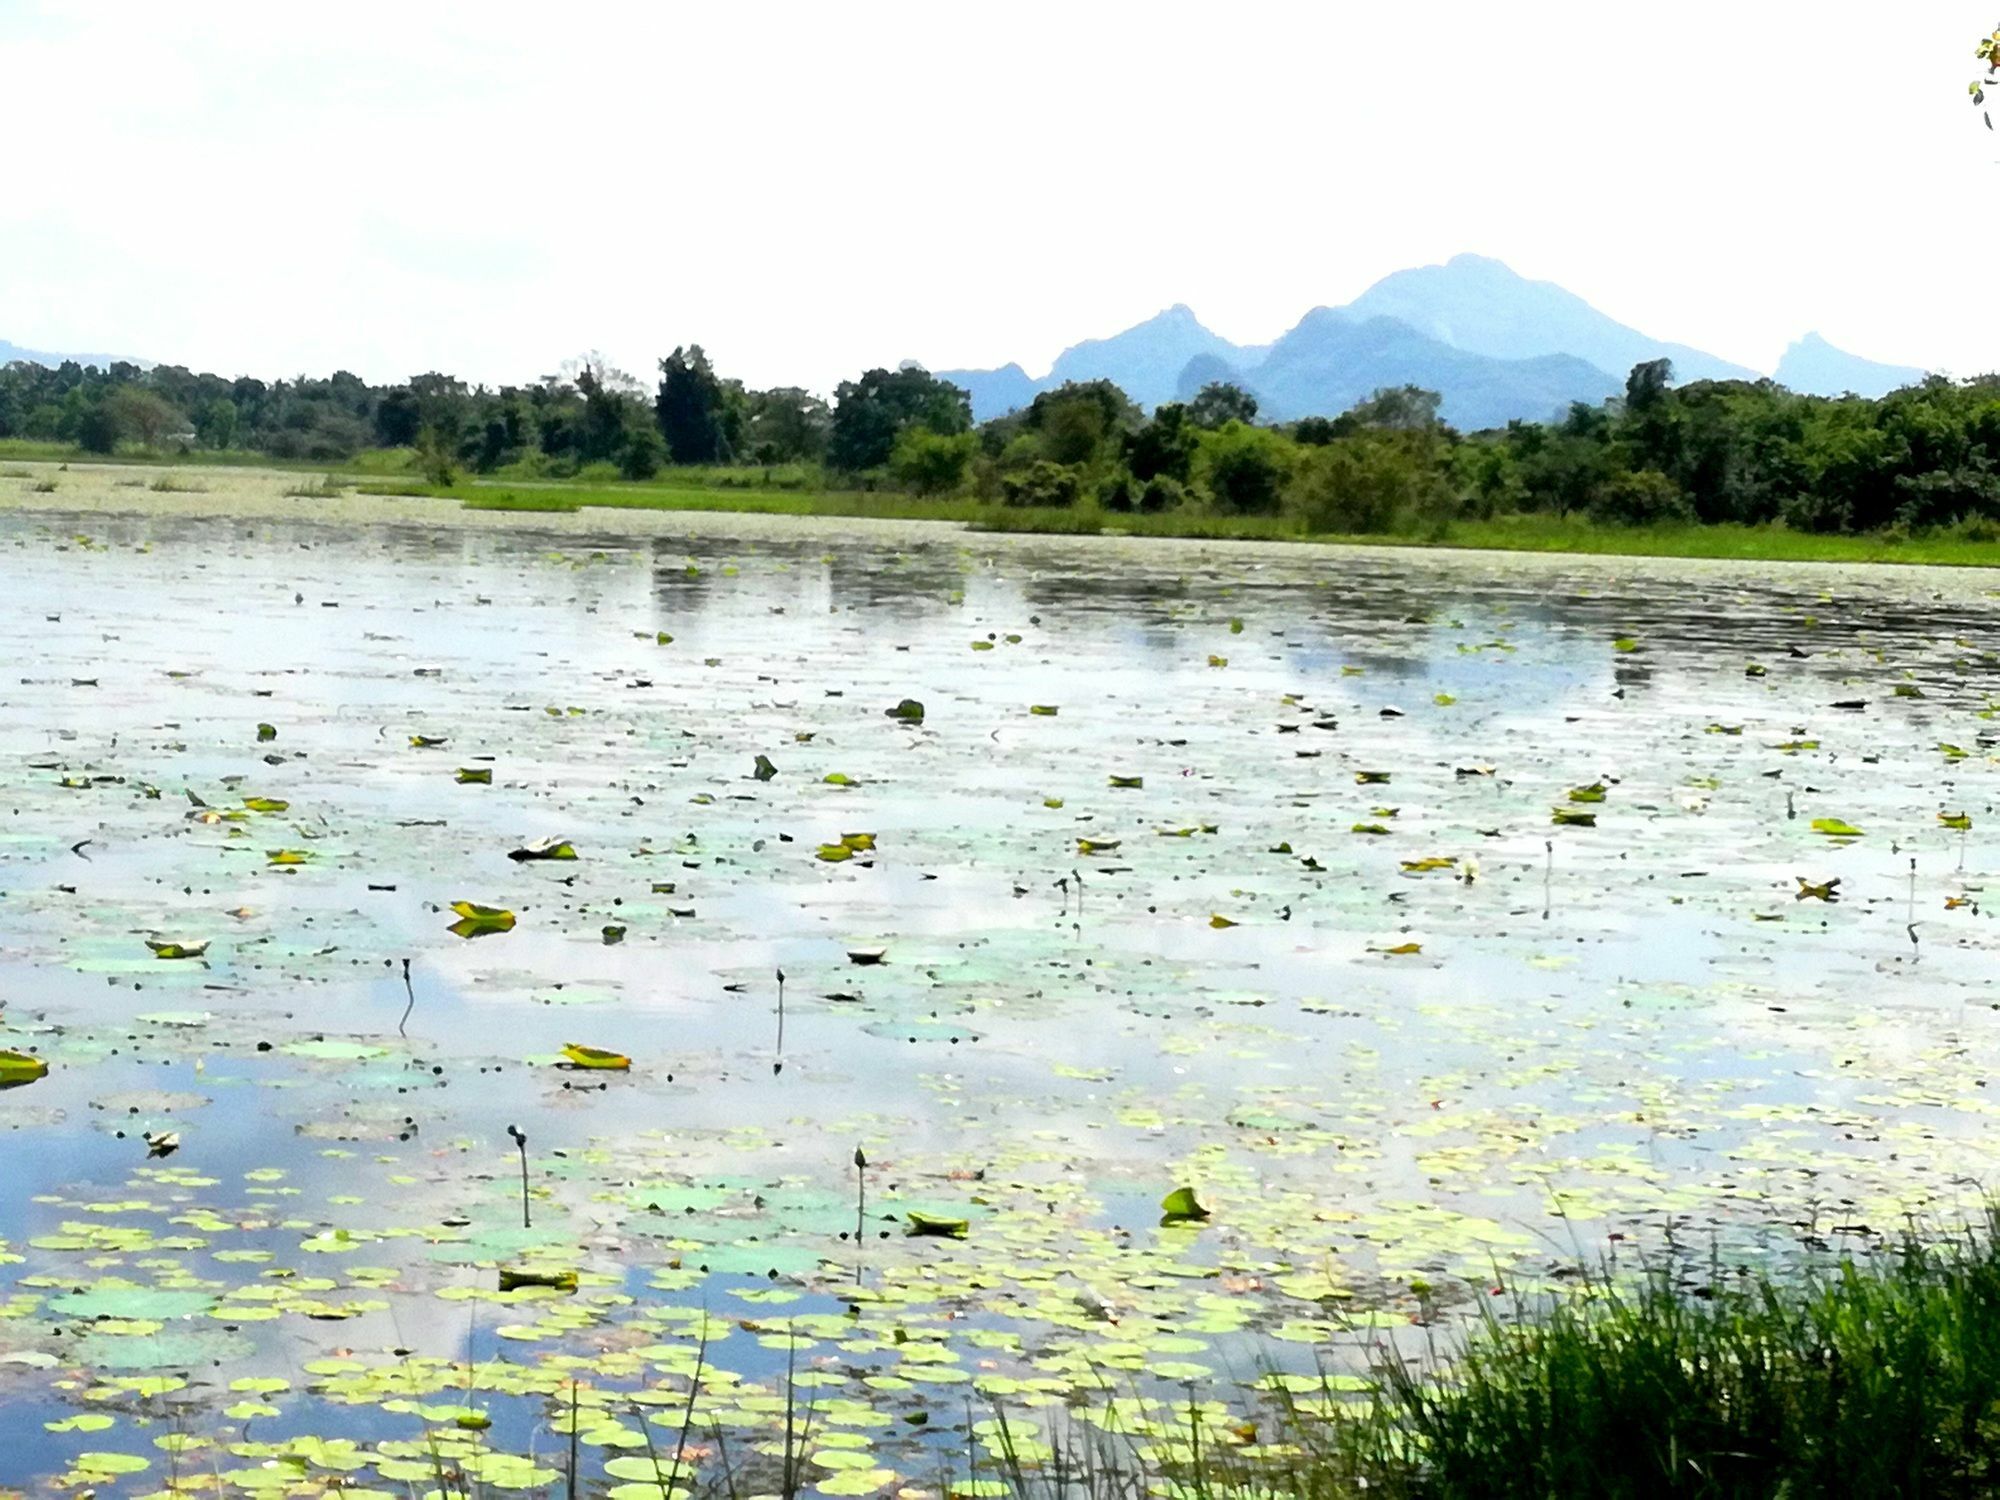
pixel 692 408
pixel 95 427
pixel 1079 417
pixel 1245 468
pixel 931 463
pixel 1373 481
pixel 1988 53
pixel 645 450
pixel 437 455
pixel 1397 408
pixel 1220 402
pixel 1644 497
pixel 786 425
pixel 869 414
pixel 1164 446
pixel 1041 484
pixel 142 415
pixel 215 423
pixel 610 399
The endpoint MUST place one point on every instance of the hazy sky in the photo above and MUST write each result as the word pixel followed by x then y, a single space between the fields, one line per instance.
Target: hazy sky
pixel 808 189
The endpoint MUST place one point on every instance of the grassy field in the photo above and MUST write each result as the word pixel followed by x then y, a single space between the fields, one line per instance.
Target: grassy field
pixel 803 491
pixel 1523 533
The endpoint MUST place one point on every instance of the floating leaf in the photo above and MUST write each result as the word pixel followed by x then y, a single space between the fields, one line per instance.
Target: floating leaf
pixel 1400 950
pixel 1424 866
pixel 1218 661
pixel 475 776
pixel 1961 821
pixel 1377 829
pixel 1371 778
pixel 287 856
pixel 1571 817
pixel 266 733
pixel 1217 920
pixel 764 770
pixel 163 949
pixel 266 804
pixel 940 1228
pixel 1096 846
pixel 478 921
pixel 1181 1207
pixel 557 1278
pixel 1592 793
pixel 1826 890
pixel 545 848
pixel 427 741
pixel 834 854
pixel 596 1058
pixel 1835 828
pixel 1128 783
pixel 1043 710
pixel 17 1068
pixel 909 711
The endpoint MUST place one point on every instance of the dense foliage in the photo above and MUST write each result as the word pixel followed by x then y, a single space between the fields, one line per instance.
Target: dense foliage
pixel 1710 451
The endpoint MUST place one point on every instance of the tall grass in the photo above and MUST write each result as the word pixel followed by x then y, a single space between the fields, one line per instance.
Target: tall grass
pixel 1878 1377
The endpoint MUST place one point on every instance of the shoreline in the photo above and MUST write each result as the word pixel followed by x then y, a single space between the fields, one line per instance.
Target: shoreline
pixel 249 496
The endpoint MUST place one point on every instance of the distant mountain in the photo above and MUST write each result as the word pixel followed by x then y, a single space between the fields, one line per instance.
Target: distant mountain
pixel 1481 305
pixel 9 353
pixel 1814 367
pixel 1334 359
pixel 1494 344
pixel 994 392
pixel 1144 361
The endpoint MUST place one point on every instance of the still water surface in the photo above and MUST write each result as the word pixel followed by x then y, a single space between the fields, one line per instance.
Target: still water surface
pixel 1328 959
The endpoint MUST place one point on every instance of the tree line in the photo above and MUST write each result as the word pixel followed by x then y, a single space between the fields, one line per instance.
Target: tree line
pixel 1704 452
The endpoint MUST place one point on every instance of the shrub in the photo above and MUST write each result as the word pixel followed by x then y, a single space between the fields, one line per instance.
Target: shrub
pixel 1642 498
pixel 1162 492
pixel 932 463
pixel 1372 482
pixel 645 450
pixel 1041 483
pixel 1245 469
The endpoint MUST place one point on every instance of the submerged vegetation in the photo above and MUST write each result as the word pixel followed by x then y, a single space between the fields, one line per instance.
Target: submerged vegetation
pixel 747 1010
pixel 1662 461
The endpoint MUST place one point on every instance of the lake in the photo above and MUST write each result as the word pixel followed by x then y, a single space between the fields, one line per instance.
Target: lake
pixel 1440 921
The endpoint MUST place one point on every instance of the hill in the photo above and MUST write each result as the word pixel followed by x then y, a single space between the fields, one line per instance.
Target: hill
pixel 1474 303
pixel 1814 367
pixel 1332 359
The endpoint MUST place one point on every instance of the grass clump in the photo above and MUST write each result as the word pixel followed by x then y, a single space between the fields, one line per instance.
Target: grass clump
pixel 44 486
pixel 1874 1377
pixel 173 484
pixel 326 487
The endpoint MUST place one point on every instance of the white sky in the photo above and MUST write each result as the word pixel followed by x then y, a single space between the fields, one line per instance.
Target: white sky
pixel 808 189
